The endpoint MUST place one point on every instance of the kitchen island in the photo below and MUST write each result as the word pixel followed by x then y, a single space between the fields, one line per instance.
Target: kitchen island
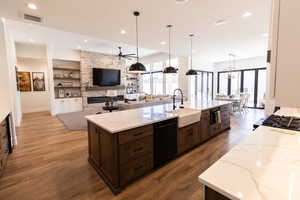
pixel 126 145
pixel 266 165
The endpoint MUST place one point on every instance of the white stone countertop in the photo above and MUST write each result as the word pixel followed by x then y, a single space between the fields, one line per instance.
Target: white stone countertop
pixel 266 165
pixel 128 119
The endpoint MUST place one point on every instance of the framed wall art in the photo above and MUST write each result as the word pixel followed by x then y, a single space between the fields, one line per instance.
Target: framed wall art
pixel 38 81
pixel 24 79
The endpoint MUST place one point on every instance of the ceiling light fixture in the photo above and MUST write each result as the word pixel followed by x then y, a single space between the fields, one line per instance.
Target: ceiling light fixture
pixel 191 71
pixel 163 43
pixel 123 32
pixel 170 69
pixel 220 22
pixel 137 67
pixel 181 1
pixel 32 6
pixel 85 41
pixel 247 14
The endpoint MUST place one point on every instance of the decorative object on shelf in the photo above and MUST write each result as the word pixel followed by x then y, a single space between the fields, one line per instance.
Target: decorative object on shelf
pixel 170 69
pixel 66 75
pixel 61 93
pixel 24 81
pixel 191 72
pixel 38 81
pixel 137 67
pixel 68 94
pixel 71 75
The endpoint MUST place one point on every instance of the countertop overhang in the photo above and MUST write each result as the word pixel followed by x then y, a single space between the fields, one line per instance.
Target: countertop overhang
pixel 266 165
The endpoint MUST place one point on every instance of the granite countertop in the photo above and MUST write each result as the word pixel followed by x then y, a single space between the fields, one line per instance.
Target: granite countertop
pixel 266 165
pixel 128 119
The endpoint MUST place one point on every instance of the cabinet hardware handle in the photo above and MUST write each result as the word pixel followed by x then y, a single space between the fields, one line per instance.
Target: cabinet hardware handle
pixel 138 149
pixel 137 134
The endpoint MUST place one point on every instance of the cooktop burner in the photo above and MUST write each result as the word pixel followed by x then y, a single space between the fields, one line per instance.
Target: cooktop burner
pixel 285 122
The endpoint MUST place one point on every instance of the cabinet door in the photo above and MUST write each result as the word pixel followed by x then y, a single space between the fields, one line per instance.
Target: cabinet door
pixel 76 105
pixel 205 126
pixel 287 66
pixel 94 144
pixel 187 137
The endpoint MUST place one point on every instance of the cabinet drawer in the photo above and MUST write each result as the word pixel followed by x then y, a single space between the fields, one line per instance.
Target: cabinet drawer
pixel 135 169
pixel 188 137
pixel 136 149
pixel 205 115
pixel 134 134
pixel 225 124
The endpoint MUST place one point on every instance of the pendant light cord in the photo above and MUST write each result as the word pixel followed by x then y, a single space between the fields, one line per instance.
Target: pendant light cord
pixel 169 26
pixel 191 35
pixel 137 38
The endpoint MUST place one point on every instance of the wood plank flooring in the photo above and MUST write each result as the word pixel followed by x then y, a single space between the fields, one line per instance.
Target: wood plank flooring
pixel 50 163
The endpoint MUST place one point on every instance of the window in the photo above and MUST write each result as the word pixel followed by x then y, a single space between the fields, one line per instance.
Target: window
pixel 202 85
pixel 250 81
pixel 171 83
pixel 146 83
pixel 158 88
pixel 157 83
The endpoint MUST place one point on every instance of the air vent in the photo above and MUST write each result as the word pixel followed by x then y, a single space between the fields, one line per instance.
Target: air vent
pixel 33 18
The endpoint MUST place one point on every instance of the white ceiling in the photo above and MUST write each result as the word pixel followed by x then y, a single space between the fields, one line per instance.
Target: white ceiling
pixel 105 19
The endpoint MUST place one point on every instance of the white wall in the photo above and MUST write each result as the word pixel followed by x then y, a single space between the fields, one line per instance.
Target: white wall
pixel 41 99
pixel 9 102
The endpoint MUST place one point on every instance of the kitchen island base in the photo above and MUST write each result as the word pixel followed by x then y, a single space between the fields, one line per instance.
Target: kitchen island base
pixel 210 194
pixel 122 157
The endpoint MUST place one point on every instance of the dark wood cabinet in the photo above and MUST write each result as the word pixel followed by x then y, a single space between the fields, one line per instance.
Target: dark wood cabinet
pixel 205 125
pixel 4 150
pixel 187 137
pixel 120 158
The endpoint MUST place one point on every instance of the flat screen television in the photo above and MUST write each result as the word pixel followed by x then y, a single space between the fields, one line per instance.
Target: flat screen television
pixel 106 77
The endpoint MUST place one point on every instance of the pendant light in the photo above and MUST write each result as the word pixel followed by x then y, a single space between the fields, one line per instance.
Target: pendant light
pixel 137 67
pixel 170 69
pixel 191 71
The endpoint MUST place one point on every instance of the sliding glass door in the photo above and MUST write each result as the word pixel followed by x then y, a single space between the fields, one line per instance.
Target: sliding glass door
pixel 202 85
pixel 250 81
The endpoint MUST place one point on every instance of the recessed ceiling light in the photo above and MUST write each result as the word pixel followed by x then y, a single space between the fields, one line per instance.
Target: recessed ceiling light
pixel 181 1
pixel 32 6
pixel 85 41
pixel 247 14
pixel 123 32
pixel 163 43
pixel 264 35
pixel 31 40
pixel 220 22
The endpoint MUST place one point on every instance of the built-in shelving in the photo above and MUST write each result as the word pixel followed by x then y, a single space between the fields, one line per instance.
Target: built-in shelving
pixel 66 77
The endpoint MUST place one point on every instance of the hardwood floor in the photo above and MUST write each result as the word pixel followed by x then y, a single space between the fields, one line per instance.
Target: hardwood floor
pixel 50 162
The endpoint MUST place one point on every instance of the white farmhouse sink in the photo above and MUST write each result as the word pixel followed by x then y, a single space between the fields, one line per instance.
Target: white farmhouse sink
pixel 186 116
